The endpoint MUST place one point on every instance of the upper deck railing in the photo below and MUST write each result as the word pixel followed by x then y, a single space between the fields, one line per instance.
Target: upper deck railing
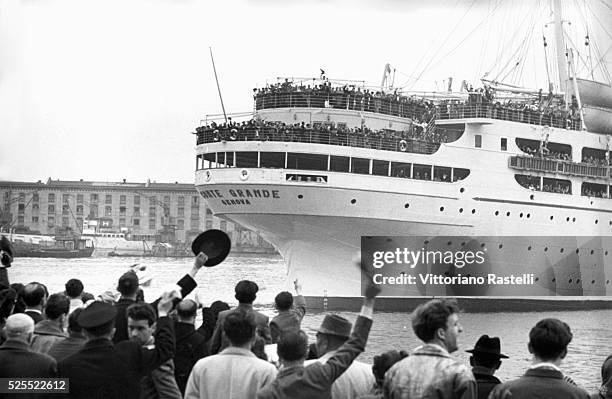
pixel 419 110
pixel 540 164
pixel 384 140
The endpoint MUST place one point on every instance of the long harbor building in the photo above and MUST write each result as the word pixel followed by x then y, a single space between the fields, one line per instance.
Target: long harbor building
pixel 145 212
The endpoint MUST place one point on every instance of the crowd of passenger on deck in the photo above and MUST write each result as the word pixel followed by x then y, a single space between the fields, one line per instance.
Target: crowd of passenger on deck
pixel 115 345
pixel 540 109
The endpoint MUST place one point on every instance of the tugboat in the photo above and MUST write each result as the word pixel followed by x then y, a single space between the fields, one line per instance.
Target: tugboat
pixel 64 246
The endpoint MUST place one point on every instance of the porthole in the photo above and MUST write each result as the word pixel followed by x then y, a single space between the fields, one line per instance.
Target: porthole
pixel 529 248
pixel 496 213
pixel 507 213
pixel 551 217
pixel 606 253
pixel 573 219
pixel 592 252
pixel 592 281
pixel 554 280
pixel 577 250
pixel 463 244
pixel 537 279
pixel 596 221
pixel 545 249
pixel 426 242
pixel 353 201
pixel 570 280
pixel 406 205
pixel 577 281
pixel 473 211
pixel 531 197
pixel 461 189
pixel 460 210
pixel 607 281
pixel 567 219
pixel 300 196
pixel 389 240
pixel 501 246
pixel 521 214
pixel 561 250
pixel 449 243
pixel 441 209
pixel 528 215
pixel 482 245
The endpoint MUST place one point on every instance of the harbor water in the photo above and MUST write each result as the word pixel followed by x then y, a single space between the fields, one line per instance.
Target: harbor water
pixel 592 330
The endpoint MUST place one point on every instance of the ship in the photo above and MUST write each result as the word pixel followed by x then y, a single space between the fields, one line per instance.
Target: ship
pixel 119 243
pixel 525 173
pixel 44 246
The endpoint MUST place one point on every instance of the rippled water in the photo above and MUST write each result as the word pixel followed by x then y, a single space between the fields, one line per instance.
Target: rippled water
pixel 592 329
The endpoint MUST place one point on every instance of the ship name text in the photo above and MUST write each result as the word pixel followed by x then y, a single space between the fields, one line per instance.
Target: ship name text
pixel 239 196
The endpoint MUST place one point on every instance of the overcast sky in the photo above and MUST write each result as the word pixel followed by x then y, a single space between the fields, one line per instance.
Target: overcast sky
pixel 106 90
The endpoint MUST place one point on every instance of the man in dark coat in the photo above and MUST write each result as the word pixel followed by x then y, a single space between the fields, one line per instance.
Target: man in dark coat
pixel 246 292
pixel 128 287
pixel 291 311
pixel 190 345
pixel 103 370
pixel 548 342
pixel 485 360
pixel 16 357
pixel 35 297
pixel 75 341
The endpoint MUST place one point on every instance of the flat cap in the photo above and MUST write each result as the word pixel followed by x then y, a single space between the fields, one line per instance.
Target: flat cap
pixel 97 314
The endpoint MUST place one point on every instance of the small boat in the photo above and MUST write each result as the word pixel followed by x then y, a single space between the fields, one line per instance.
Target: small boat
pixel 39 246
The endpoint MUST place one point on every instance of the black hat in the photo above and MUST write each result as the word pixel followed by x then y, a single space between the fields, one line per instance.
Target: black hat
pixel 335 325
pixel 488 346
pixel 7 257
pixel 97 314
pixel 214 243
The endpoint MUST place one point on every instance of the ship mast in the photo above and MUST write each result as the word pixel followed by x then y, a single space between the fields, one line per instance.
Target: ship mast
pixel 561 53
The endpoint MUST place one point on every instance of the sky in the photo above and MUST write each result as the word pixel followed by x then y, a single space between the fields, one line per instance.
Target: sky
pixel 112 90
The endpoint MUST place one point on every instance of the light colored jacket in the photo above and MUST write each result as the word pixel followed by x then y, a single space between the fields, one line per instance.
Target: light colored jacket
pixel 46 333
pixel 356 381
pixel 235 373
pixel 288 319
pixel 430 372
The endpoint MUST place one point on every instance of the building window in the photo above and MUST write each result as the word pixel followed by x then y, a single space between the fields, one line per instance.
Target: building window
pixel 137 200
pixel 79 223
pixel 21 208
pixel 65 209
pixel 181 201
pixel 504 144
pixel 194 224
pixel 79 198
pixel 108 211
pixel 136 222
pixel 93 212
pixel 122 199
pixel 65 198
pixel 152 211
pixel 109 199
pixel 181 212
pixel 35 219
pixel 35 208
pixel 167 200
pixel 51 209
pixel 51 197
pixel 21 197
pixel 20 220
pixel 152 200
pixel 152 224
pixel 478 141
pixel 136 211
pixel 65 222
pixel 121 222
pixel 208 212
pixel 79 209
pixel 194 201
pixel 93 198
pixel 35 197
pixel 209 224
pixel 50 221
pixel 122 211
pixel 180 224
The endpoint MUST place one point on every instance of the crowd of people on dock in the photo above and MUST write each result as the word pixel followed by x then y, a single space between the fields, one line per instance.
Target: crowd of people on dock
pixel 117 345
pixel 540 109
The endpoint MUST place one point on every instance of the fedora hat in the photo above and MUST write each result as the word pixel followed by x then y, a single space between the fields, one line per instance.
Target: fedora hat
pixel 214 243
pixel 335 325
pixel 488 346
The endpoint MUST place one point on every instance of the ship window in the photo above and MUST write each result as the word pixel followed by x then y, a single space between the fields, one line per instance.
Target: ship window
pixel 229 159
pixel 246 159
pixel 460 174
pixel 400 169
pixel 380 168
pixel 442 173
pixel 421 172
pixel 558 186
pixel 220 160
pixel 594 190
pixel 339 164
pixel 504 144
pixel 152 224
pixel 594 156
pixel 297 160
pixel 199 162
pixel 549 150
pixel 272 160
pixel 530 182
pixel 209 160
pixel 478 141
pixel 360 165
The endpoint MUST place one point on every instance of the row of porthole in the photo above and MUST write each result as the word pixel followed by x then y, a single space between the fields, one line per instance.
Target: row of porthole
pixel 407 205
